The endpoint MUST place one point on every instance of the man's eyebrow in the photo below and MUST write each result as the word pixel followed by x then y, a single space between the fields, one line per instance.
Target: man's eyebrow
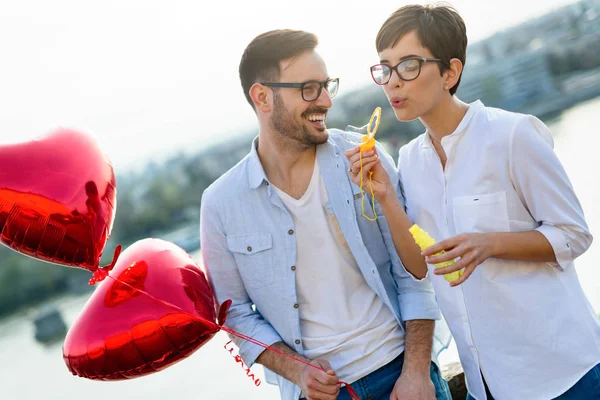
pixel 401 58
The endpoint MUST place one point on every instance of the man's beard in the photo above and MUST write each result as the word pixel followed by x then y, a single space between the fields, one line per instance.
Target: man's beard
pixel 284 123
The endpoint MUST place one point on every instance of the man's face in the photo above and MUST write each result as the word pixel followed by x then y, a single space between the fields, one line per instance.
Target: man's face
pixel 293 117
pixel 416 98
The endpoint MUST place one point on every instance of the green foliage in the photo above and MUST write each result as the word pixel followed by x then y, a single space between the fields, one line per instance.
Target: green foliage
pixel 25 280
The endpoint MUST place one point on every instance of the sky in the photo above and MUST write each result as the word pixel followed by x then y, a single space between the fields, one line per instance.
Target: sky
pixel 149 77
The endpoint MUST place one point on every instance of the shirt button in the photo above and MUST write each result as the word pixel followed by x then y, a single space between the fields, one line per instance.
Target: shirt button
pixel 249 248
pixel 293 268
pixel 296 305
pixel 297 341
pixel 291 232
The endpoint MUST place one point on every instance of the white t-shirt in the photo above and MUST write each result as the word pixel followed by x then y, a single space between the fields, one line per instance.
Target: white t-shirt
pixel 342 320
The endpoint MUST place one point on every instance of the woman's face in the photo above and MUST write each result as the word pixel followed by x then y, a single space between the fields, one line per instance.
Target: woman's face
pixel 416 98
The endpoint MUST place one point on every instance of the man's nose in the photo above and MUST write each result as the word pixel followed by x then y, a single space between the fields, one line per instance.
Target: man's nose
pixel 324 99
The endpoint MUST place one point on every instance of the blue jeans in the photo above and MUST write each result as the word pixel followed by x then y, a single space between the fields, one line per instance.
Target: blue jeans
pixel 378 384
pixel 587 388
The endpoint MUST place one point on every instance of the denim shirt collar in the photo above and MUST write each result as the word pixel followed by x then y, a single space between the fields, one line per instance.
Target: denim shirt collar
pixel 256 172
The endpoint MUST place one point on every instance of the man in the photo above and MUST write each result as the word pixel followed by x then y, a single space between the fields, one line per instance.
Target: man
pixel 486 183
pixel 283 238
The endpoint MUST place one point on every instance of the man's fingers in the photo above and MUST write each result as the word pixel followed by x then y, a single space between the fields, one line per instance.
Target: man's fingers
pixel 326 365
pixel 318 383
pixel 318 390
pixel 329 377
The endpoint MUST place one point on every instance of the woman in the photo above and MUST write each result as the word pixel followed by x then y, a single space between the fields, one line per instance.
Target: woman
pixel 487 184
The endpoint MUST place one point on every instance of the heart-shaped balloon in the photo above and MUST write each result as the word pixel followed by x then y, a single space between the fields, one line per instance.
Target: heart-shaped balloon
pixel 155 308
pixel 57 198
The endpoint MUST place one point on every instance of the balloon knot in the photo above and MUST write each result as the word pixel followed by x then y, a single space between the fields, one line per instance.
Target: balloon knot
pixel 101 273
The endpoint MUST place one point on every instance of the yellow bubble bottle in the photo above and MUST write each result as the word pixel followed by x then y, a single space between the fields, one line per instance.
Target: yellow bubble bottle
pixel 424 240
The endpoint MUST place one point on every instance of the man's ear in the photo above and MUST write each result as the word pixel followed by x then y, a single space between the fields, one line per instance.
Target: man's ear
pixel 261 97
pixel 452 74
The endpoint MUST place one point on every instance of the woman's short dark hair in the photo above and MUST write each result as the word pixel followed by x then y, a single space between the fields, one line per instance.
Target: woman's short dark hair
pixel 439 27
pixel 260 61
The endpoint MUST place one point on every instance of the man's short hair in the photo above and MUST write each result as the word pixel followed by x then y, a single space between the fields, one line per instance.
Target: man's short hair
pixel 439 27
pixel 260 61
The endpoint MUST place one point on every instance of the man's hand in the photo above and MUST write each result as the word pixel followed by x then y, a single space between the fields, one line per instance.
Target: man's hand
pixel 317 384
pixel 413 387
pixel 471 248
pixel 372 169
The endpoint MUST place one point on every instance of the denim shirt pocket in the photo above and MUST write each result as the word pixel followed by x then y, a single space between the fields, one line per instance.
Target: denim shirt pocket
pixel 254 256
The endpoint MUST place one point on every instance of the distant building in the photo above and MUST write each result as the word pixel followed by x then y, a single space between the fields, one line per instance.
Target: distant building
pixel 508 82
pixel 512 68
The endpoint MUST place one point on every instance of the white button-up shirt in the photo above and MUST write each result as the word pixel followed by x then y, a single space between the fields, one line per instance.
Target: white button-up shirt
pixel 527 326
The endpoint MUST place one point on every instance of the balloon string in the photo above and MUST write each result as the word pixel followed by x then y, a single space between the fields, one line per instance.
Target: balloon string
pixel 351 391
pixel 362 193
pixel 101 273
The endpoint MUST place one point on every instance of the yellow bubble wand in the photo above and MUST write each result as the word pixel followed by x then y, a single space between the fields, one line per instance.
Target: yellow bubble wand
pixel 368 142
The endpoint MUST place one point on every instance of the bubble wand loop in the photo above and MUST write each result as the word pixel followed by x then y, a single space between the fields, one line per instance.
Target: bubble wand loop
pixel 368 142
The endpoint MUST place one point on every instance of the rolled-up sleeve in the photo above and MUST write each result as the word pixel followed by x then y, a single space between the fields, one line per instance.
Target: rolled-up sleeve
pixel 227 283
pixel 416 297
pixel 544 187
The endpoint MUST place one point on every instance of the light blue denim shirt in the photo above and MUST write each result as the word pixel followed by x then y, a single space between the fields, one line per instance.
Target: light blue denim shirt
pixel 249 249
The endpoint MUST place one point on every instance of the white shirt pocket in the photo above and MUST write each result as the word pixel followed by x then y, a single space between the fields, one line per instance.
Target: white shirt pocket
pixel 481 213
pixel 254 257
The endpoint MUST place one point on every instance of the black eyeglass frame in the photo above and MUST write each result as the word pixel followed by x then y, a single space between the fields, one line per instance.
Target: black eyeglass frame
pixel 421 60
pixel 303 84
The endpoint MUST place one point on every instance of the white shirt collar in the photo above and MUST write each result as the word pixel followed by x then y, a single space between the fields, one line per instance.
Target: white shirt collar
pixel 460 129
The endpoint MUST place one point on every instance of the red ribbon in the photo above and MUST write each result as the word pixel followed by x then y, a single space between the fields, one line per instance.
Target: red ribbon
pixel 224 306
pixel 101 273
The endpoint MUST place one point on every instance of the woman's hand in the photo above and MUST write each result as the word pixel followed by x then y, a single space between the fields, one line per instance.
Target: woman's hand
pixel 472 249
pixel 372 169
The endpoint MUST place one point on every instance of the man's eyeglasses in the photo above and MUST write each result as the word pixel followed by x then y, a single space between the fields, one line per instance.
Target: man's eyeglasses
pixel 407 70
pixel 311 90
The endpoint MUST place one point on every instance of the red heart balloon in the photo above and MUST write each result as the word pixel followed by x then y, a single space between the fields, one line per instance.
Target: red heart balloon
pixel 57 199
pixel 159 310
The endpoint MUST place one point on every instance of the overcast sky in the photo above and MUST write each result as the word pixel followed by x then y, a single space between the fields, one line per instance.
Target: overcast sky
pixel 147 77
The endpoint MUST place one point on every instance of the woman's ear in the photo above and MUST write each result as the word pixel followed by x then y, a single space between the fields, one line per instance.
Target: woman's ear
pixel 452 74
